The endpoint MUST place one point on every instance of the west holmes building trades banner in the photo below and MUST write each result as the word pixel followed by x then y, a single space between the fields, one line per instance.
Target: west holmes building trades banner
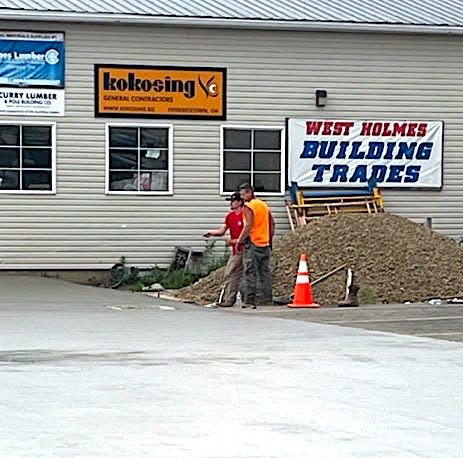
pixel 160 92
pixel 31 73
pixel 346 153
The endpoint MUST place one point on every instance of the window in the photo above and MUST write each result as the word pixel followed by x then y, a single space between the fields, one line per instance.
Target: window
pixel 27 158
pixel 139 159
pixel 252 155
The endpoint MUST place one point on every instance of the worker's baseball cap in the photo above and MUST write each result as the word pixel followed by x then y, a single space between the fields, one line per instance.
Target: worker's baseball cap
pixel 234 196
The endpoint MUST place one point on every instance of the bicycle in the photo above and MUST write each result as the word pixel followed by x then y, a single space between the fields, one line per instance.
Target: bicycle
pixel 118 273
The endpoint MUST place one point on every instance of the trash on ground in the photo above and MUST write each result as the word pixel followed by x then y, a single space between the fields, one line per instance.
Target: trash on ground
pixel 165 307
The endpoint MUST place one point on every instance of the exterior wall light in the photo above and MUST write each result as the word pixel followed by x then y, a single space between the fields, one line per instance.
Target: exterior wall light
pixel 320 97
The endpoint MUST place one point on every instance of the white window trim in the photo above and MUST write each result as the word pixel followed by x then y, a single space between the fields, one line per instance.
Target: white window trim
pixel 283 155
pixel 53 159
pixel 170 161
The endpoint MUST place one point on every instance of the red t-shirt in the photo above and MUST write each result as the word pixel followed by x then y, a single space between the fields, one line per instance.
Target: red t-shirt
pixel 234 222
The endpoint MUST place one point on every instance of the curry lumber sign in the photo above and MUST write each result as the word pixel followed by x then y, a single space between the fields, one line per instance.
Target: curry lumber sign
pixel 346 153
pixel 31 73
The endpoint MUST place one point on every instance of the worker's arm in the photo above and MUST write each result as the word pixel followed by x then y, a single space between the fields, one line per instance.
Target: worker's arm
pixel 248 223
pixel 271 227
pixel 216 232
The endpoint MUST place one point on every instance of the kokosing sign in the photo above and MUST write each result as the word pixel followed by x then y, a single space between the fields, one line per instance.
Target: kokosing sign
pixel 160 92
pixel 339 153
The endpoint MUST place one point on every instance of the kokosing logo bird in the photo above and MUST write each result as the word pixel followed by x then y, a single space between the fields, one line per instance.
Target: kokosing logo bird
pixel 211 88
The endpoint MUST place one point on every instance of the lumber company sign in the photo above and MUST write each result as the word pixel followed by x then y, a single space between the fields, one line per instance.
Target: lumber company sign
pixel 340 153
pixel 31 73
pixel 160 92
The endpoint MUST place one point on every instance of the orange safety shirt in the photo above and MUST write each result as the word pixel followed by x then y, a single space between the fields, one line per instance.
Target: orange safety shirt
pixel 260 231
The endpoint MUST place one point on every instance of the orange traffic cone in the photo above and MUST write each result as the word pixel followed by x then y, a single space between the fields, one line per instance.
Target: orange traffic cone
pixel 303 297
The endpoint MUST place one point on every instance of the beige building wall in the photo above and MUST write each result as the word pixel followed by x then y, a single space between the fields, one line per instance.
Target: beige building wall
pixel 272 75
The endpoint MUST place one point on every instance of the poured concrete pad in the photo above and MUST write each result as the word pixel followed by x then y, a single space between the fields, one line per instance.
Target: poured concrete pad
pixel 91 372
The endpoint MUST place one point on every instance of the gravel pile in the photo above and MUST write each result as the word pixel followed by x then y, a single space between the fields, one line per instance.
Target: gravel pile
pixel 395 259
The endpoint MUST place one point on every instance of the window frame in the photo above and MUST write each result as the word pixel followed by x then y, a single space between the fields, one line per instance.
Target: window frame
pixel 53 159
pixel 170 159
pixel 280 128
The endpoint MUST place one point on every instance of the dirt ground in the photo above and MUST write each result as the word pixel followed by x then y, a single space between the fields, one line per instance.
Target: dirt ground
pixel 393 258
pixel 435 321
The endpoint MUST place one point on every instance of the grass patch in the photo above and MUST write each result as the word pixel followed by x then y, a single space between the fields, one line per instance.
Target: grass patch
pixel 367 295
pixel 170 278
pixel 178 275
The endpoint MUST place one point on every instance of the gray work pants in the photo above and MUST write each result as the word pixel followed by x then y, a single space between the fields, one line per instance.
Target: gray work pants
pixel 257 275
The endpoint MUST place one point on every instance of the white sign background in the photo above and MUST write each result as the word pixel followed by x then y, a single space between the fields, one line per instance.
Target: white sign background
pixel 374 145
pixel 31 102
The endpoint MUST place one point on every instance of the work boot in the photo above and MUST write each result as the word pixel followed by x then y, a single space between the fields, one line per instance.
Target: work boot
pixel 282 300
pixel 351 300
pixel 226 304
pixel 247 305
pixel 249 302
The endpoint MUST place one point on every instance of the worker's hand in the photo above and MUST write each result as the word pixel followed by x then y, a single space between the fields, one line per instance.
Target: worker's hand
pixel 230 242
pixel 239 248
pixel 207 234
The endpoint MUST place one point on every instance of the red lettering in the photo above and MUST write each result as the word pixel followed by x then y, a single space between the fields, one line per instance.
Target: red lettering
pixel 348 126
pixel 342 128
pixel 412 129
pixel 366 128
pixel 327 128
pixel 422 130
pixel 337 130
pixel 377 128
pixel 313 127
pixel 399 129
pixel 387 130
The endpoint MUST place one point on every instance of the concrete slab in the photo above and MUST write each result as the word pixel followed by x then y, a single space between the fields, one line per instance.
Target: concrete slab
pixel 82 378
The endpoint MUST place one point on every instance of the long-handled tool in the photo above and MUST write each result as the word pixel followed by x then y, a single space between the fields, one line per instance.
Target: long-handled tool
pixel 328 274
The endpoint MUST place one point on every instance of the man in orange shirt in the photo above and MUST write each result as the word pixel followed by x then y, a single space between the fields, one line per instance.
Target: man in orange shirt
pixel 257 236
pixel 234 270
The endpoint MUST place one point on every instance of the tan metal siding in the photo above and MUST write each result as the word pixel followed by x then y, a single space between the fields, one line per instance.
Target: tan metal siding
pixel 271 76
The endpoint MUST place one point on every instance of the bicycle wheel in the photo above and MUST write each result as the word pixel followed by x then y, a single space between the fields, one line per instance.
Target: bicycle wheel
pixel 117 274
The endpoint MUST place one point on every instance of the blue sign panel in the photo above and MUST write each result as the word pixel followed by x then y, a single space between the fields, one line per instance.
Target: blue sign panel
pixel 31 59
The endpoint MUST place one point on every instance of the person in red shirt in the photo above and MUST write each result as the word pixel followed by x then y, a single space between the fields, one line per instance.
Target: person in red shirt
pixel 233 223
